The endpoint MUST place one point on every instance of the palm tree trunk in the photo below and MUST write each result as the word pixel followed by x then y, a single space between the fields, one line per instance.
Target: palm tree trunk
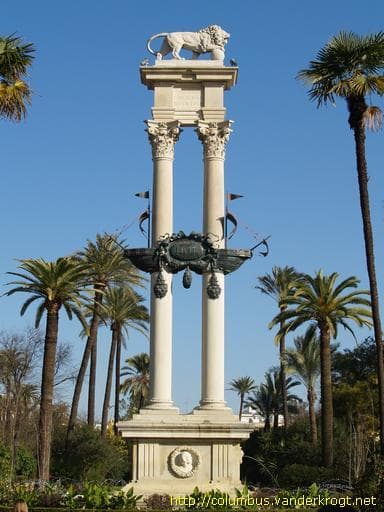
pixel 84 362
pixel 312 414
pixel 326 396
pixel 283 375
pixel 267 423
pixel 275 421
pixel 117 383
pixel 241 406
pixel 92 385
pixel 357 107
pixel 46 401
pixel 108 386
pixel 141 402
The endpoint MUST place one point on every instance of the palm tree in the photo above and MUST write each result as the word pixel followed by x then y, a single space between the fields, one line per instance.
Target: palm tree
pixel 242 386
pixel 267 399
pixel 55 284
pixel 351 67
pixel 320 301
pixel 105 264
pixel 262 403
pixel 280 285
pixel 137 383
pixel 304 362
pixel 273 385
pixel 15 58
pixel 124 311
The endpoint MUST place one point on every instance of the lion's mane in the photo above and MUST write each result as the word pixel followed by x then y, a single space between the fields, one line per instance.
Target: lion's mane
pixel 212 37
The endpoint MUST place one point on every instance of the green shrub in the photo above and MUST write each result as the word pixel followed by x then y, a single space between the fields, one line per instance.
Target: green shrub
pixel 51 495
pixel 158 502
pixel 301 475
pixel 24 492
pixel 25 464
pixel 54 496
pixel 97 496
pixel 5 463
pixel 88 456
pixel 269 452
pixel 203 500
pixel 313 491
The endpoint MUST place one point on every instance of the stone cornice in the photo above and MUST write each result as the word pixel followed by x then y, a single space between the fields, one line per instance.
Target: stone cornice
pixel 193 71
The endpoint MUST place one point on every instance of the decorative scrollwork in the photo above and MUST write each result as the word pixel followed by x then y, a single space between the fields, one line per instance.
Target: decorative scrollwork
pixel 187 278
pixel 160 287
pixel 213 288
pixel 192 253
pixel 163 137
pixel 214 137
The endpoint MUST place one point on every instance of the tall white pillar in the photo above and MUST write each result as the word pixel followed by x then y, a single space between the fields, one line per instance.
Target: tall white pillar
pixel 214 137
pixel 162 137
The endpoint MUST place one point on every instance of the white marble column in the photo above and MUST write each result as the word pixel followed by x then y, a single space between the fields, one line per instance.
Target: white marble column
pixel 162 137
pixel 214 137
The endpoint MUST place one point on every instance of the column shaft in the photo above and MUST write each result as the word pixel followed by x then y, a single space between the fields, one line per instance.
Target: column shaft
pixel 162 137
pixel 214 137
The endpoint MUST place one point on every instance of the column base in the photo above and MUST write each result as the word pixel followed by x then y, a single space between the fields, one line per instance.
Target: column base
pixel 214 411
pixel 159 405
pixel 212 404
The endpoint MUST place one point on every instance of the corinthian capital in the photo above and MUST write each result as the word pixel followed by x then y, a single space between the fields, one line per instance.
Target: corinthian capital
pixel 214 137
pixel 162 137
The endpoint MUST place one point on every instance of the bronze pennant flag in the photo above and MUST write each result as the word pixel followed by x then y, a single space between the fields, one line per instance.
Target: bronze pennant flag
pixel 144 216
pixel 230 216
pixel 231 197
pixel 144 195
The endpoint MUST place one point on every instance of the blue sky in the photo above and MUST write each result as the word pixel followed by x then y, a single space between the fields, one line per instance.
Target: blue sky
pixel 72 168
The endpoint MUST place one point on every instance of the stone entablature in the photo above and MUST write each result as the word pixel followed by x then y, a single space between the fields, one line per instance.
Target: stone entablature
pixel 188 91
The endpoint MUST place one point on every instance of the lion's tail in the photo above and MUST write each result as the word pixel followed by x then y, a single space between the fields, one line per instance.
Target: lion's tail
pixel 162 34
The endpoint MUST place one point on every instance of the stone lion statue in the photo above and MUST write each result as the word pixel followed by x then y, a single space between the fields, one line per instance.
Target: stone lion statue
pixel 210 39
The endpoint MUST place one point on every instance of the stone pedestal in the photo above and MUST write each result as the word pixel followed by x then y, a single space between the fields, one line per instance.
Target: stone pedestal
pixel 173 454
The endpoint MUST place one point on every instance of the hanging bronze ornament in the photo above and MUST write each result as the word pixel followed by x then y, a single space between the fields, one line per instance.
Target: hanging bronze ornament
pixel 213 288
pixel 187 278
pixel 160 287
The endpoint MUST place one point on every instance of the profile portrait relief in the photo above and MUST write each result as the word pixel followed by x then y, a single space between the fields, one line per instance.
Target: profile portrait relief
pixel 184 461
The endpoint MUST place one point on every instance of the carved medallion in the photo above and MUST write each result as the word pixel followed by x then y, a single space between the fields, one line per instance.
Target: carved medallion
pixel 183 462
pixel 186 250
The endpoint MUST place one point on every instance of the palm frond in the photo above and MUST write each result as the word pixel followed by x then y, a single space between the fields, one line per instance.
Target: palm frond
pixel 15 56
pixel 348 65
pixel 373 118
pixel 39 314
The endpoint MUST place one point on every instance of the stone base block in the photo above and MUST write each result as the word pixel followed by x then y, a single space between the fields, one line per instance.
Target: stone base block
pixel 173 454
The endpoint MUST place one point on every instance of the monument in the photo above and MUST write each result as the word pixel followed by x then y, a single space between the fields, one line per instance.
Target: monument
pixel 171 452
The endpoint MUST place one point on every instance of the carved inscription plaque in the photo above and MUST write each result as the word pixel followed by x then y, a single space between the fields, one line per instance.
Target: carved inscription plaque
pixel 187 99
